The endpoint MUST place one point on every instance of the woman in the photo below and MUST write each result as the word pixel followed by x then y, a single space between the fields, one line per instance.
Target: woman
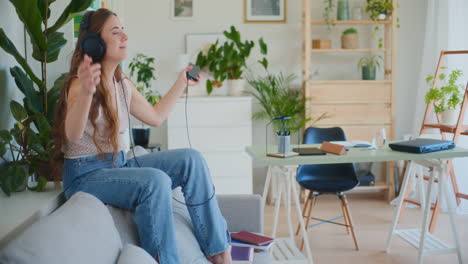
pixel 91 116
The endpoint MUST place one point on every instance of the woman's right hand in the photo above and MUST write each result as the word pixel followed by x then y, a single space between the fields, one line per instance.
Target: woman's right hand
pixel 89 75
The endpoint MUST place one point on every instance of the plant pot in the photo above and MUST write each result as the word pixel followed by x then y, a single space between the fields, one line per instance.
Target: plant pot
pixel 382 16
pixel 236 87
pixel 284 144
pixel 449 117
pixel 343 10
pixel 368 73
pixel 350 41
pixel 141 136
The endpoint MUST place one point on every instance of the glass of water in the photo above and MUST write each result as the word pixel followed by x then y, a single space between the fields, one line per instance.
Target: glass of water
pixel 380 138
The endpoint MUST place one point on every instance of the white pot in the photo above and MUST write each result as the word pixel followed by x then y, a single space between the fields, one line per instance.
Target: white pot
pixel 449 117
pixel 236 87
pixel 382 16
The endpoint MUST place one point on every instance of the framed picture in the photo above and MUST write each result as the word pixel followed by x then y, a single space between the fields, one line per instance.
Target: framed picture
pixel 182 9
pixel 265 11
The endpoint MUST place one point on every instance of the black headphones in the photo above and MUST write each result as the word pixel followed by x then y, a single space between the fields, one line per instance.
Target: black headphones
pixel 92 44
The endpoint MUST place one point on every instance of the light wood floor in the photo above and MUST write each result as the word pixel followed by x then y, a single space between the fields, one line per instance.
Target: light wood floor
pixel 372 217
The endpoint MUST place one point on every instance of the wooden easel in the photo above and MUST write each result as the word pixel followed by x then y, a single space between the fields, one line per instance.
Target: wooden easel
pixel 457 130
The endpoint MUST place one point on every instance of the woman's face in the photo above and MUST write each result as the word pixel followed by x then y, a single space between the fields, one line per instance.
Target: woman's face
pixel 116 40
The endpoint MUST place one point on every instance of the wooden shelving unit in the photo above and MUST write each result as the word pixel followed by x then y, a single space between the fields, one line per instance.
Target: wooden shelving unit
pixel 359 107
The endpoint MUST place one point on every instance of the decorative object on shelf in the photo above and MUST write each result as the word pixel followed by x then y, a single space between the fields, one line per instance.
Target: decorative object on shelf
pixel 350 39
pixel 327 13
pixel 260 11
pixel 182 9
pixel 142 67
pixel 357 13
pixel 321 44
pixel 379 9
pixel 39 99
pixel 228 61
pixel 369 65
pixel 342 10
pixel 446 98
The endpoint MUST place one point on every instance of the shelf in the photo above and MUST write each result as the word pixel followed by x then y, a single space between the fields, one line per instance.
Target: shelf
pixel 347 50
pixel 349 22
pixel 377 186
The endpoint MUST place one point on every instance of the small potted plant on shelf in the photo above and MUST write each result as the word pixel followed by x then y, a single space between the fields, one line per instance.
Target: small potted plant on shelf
pixel 142 67
pixel 327 13
pixel 379 9
pixel 350 39
pixel 447 97
pixel 228 61
pixel 369 65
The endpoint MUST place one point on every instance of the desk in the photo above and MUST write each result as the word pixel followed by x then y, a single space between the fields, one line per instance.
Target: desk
pixel 434 160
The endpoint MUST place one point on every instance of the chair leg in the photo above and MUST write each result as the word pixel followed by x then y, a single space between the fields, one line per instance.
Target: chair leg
pixel 309 214
pixel 345 215
pixel 345 203
pixel 306 204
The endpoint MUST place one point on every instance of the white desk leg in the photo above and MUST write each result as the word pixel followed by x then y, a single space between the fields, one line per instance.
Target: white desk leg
pixel 401 197
pixel 267 185
pixel 449 196
pixel 426 214
pixel 288 177
pixel 422 195
pixel 277 205
pixel 301 223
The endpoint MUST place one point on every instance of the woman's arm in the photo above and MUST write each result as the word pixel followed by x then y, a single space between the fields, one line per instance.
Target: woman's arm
pixel 156 115
pixel 80 96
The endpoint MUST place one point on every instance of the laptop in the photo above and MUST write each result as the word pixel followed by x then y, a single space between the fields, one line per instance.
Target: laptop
pixel 422 145
pixel 309 151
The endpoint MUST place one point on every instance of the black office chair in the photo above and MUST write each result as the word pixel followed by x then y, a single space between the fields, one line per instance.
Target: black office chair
pixel 327 178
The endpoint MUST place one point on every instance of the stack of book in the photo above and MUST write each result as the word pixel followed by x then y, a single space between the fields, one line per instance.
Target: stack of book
pixel 244 243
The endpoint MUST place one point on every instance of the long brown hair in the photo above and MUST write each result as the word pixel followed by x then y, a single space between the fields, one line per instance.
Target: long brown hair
pixel 101 99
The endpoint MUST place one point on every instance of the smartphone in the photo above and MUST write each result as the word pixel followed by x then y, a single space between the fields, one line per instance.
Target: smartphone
pixel 193 73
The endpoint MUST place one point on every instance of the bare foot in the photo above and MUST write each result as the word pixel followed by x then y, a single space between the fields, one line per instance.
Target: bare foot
pixel 221 258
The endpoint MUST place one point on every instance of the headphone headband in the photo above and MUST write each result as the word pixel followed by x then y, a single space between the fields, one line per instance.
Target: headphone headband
pixel 86 20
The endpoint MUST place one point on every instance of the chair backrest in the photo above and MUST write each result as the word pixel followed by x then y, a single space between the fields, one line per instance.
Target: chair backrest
pixel 325 172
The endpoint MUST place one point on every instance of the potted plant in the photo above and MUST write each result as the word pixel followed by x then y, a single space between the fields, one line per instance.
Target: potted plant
pixel 46 44
pixel 327 13
pixel 142 67
pixel 22 144
pixel 228 61
pixel 350 39
pixel 447 97
pixel 368 65
pixel 379 9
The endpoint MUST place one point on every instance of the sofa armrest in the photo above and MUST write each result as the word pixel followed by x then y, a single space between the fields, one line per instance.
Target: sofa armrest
pixel 243 212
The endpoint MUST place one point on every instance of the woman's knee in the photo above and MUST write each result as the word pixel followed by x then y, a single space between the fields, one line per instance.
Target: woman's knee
pixel 157 180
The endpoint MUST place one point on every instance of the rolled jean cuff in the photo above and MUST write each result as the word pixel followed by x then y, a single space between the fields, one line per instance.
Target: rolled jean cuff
pixel 216 250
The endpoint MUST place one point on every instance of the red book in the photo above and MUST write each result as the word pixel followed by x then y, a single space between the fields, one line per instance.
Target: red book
pixel 251 238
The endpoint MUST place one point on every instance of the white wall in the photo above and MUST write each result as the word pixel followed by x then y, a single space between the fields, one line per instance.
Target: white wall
pixel 153 32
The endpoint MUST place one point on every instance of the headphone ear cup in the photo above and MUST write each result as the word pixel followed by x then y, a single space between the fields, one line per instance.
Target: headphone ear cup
pixel 94 46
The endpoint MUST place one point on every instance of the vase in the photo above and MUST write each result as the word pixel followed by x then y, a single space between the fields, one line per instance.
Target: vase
pixel 343 10
pixel 284 144
pixel 236 87
pixel 449 117
pixel 368 73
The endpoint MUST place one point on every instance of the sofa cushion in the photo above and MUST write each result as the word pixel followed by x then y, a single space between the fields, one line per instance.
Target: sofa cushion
pixel 80 231
pixel 131 254
pixel 187 244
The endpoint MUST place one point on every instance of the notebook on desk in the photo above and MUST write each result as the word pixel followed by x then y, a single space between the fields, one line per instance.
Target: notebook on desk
pixel 422 145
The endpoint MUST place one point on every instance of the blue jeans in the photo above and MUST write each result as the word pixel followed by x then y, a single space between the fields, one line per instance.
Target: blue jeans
pixel 148 192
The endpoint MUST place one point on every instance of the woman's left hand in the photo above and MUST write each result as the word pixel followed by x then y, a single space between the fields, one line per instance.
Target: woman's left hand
pixel 183 77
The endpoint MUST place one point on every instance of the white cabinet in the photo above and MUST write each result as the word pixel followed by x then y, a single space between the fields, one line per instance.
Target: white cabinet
pixel 220 128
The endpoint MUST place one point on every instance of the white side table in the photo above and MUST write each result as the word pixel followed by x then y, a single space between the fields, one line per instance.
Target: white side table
pixel 22 209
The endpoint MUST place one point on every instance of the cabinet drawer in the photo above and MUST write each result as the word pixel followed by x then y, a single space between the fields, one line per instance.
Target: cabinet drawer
pixel 211 139
pixel 229 164
pixel 352 114
pixel 212 113
pixel 374 91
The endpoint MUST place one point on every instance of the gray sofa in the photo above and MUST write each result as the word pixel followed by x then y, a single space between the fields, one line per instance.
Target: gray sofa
pixel 84 230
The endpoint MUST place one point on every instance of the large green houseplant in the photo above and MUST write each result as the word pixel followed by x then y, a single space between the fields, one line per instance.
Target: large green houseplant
pixel 447 97
pixel 39 98
pixel 229 60
pixel 142 68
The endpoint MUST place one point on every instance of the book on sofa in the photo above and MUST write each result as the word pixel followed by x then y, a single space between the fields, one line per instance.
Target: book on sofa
pixel 252 240
pixel 242 255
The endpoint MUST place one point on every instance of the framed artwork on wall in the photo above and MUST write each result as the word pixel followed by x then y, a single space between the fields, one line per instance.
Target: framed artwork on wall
pixel 265 11
pixel 182 9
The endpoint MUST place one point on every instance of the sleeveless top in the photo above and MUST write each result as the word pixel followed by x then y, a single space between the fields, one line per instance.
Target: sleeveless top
pixel 85 145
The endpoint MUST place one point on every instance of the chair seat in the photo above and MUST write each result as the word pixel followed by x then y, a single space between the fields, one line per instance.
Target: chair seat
pixel 331 185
